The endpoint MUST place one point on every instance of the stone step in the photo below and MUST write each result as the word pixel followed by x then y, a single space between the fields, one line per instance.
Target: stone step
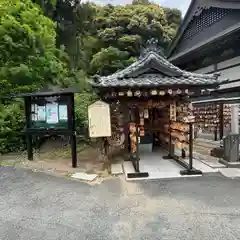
pixel 116 168
pixel 207 144
pixel 208 160
pixel 230 172
pixel 202 149
pixel 206 140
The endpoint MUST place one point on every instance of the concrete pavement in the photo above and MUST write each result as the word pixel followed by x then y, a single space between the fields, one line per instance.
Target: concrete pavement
pixel 39 206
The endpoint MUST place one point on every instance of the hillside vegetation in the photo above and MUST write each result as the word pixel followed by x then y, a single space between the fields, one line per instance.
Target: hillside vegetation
pixel 64 43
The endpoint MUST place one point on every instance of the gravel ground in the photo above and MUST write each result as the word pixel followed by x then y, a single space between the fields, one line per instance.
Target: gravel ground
pixel 39 206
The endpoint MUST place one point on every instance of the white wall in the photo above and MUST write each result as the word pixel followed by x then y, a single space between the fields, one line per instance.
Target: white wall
pixel 231 74
pixel 229 62
pixel 205 70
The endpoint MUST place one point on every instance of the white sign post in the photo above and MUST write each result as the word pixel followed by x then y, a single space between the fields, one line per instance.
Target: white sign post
pixel 99 120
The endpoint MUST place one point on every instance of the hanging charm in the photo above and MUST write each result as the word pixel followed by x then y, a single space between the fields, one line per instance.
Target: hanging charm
pixel 179 91
pixel 146 113
pixel 129 93
pixel 137 93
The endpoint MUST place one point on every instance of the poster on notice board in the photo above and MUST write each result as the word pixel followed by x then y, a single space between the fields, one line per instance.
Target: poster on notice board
pixel 52 113
pixel 41 113
pixel 63 115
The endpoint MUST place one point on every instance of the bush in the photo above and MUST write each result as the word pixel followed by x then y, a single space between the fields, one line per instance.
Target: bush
pixel 11 123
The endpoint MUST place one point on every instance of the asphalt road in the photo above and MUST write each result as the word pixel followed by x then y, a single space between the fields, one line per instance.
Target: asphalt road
pixel 39 206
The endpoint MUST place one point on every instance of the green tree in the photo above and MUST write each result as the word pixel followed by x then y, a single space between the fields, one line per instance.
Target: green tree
pixel 141 2
pixel 121 31
pixel 86 29
pixel 109 60
pixel 29 60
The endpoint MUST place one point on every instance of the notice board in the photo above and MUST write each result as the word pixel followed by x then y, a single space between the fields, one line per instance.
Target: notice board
pixel 99 120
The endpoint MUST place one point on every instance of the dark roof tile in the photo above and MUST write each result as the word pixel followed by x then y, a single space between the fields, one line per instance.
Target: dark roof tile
pixel 138 74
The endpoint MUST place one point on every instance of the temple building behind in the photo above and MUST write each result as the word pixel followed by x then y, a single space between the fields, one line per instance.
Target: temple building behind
pixel 208 42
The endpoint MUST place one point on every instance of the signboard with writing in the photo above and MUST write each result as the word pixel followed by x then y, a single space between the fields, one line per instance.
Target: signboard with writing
pixel 99 120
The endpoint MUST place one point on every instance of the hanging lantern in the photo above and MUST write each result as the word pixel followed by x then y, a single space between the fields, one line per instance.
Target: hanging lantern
pixel 186 91
pixel 129 93
pixel 114 94
pixel 170 91
pixel 161 93
pixel 154 92
pixel 121 94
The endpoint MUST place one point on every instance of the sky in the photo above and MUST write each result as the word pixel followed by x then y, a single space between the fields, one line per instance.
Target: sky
pixel 180 4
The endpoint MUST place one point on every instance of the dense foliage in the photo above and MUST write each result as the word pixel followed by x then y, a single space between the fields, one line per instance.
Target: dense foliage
pixel 63 42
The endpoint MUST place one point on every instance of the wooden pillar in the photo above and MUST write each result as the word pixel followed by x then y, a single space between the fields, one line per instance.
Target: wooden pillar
pixel 28 111
pixel 221 121
pixel 125 110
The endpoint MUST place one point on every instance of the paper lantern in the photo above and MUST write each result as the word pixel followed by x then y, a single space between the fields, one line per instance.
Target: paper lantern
pixel 154 92
pixel 129 93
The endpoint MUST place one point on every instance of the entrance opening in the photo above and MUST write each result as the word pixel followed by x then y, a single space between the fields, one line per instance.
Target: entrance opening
pixel 151 122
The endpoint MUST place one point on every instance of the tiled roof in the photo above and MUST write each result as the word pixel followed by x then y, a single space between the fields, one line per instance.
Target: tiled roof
pixel 166 74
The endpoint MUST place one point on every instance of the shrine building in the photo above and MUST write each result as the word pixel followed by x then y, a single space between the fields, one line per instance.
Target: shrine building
pixel 151 114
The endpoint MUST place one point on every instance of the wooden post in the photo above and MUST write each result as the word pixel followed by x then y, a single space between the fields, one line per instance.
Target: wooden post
pixel 27 103
pixel 72 128
pixel 190 146
pixel 216 132
pixel 29 147
pixel 74 150
pixel 170 147
pixel 191 170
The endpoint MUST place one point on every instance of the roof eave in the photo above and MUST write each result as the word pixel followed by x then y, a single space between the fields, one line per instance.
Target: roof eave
pixel 210 85
pixel 180 30
pixel 209 41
